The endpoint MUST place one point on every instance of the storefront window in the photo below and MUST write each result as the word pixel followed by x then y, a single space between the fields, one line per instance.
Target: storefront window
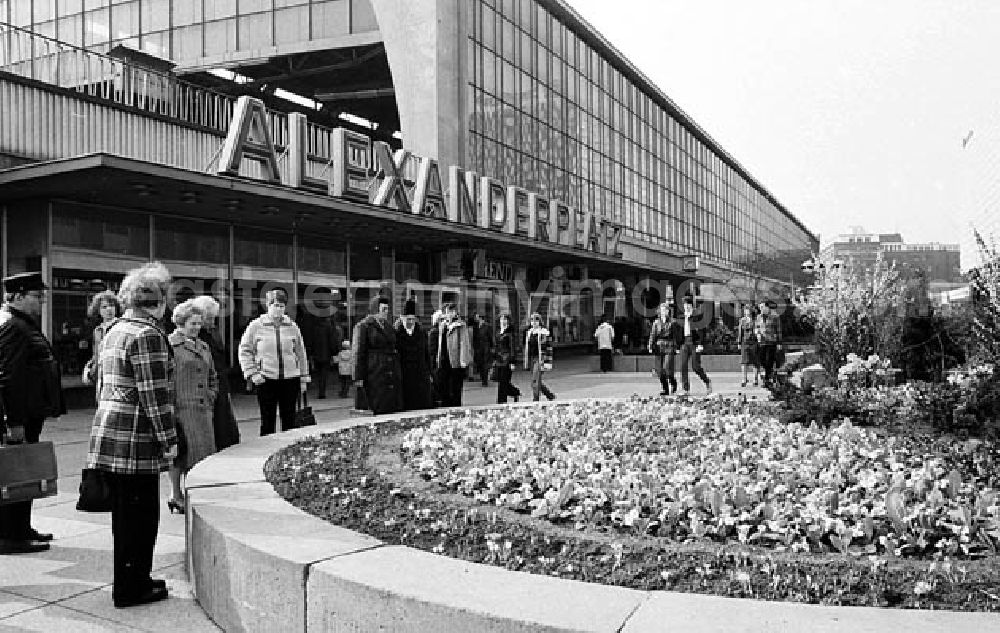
pixel 262 261
pixel 371 275
pixel 322 264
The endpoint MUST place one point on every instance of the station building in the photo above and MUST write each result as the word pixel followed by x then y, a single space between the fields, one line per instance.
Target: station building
pixel 500 153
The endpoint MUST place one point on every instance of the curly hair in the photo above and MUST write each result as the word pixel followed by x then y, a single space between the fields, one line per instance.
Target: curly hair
pixel 185 311
pixel 208 305
pixel 145 287
pixel 101 298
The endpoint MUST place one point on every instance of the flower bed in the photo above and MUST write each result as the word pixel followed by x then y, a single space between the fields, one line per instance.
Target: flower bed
pixel 714 496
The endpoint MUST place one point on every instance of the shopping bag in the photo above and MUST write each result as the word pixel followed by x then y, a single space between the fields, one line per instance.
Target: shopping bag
pixel 27 471
pixel 304 413
pixel 95 493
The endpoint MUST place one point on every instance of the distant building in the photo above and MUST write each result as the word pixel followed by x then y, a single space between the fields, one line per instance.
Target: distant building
pixel 941 263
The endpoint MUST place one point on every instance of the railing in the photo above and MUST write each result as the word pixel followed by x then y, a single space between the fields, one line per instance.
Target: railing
pixel 28 54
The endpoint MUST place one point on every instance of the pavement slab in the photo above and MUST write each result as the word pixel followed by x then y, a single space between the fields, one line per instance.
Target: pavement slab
pixel 54 617
pixel 12 604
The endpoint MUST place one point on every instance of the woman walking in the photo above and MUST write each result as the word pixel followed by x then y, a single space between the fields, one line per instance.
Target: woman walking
pixel 196 386
pixel 414 360
pixel 133 438
pixel 746 337
pixel 503 361
pixel 664 339
pixel 537 354
pixel 227 432
pixel 273 356
pixel 104 309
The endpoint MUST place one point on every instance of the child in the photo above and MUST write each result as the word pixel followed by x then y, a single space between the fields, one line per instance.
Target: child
pixel 345 367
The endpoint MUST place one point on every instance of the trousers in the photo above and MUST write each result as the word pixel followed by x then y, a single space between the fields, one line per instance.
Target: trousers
pixel 135 521
pixel 687 352
pixel 665 371
pixel 15 518
pixel 274 396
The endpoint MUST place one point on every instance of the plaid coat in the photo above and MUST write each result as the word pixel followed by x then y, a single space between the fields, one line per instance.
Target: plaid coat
pixel 134 422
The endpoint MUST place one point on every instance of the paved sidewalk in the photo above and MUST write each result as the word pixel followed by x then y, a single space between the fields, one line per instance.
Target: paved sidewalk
pixel 68 588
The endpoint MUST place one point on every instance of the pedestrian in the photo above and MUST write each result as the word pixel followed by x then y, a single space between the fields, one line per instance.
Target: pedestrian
pixel 538 356
pixel 133 438
pixel 605 335
pixel 414 360
pixel 273 357
pixel 345 367
pixel 665 336
pixel 768 329
pixel 224 425
pixel 484 349
pixel 104 309
pixel 746 337
pixel 196 385
pixel 432 346
pixel 376 359
pixel 503 362
pixel 691 349
pixel 322 337
pixel 30 391
pixel 452 350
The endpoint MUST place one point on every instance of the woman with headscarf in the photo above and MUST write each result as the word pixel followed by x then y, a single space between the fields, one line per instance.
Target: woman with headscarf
pixel 227 431
pixel 376 359
pixel 414 360
pixel 196 386
pixel 133 438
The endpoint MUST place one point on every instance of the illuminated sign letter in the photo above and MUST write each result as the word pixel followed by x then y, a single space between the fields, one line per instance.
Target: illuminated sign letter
pixel 538 223
pixel 492 203
pixel 298 150
pixel 391 191
pixel 562 218
pixel 249 134
pixel 428 194
pixel 351 165
pixel 591 236
pixel 518 211
pixel 614 235
pixel 461 196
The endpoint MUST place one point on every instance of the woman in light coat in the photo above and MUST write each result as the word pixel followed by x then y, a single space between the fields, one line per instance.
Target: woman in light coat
pixel 536 339
pixel 133 438
pixel 196 386
pixel 273 357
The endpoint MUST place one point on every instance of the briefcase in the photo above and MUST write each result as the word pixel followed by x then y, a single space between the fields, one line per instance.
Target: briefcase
pixel 304 413
pixel 27 471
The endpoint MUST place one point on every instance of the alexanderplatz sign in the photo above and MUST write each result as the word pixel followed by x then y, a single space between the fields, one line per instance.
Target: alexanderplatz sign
pixel 371 172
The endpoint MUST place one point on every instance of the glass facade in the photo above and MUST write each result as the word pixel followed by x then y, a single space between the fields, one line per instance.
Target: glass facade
pixel 548 112
pixel 185 30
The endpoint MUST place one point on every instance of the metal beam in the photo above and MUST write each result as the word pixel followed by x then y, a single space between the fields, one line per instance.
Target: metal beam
pixel 355 95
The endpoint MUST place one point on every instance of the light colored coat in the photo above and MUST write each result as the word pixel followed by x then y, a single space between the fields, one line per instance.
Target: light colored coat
pixel 458 344
pixel 605 336
pixel 274 350
pixel 134 423
pixel 196 387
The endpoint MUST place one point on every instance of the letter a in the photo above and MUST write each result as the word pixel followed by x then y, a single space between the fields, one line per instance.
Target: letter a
pixel 249 134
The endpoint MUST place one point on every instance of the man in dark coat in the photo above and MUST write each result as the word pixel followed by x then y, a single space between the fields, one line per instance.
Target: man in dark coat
pixel 322 337
pixel 414 360
pixel 376 359
pixel 30 391
pixel 483 342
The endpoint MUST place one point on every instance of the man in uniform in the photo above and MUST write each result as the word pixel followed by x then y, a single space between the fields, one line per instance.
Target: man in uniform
pixel 30 391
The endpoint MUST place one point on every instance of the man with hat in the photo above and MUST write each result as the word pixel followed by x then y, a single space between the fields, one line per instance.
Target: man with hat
pixel 30 391
pixel 414 360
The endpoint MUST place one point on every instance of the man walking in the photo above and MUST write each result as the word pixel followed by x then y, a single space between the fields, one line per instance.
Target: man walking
pixel 30 391
pixel 605 336
pixel 691 349
pixel 768 339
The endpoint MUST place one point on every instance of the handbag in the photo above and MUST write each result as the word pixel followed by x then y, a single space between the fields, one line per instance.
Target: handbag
pixel 95 493
pixel 304 413
pixel 27 471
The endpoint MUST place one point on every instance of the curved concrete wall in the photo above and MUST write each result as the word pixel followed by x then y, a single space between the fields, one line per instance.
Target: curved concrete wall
pixel 259 564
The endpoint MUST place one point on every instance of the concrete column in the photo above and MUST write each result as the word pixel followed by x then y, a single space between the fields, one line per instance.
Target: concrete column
pixel 424 42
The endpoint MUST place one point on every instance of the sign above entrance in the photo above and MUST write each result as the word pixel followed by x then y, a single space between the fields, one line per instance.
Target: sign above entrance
pixel 371 172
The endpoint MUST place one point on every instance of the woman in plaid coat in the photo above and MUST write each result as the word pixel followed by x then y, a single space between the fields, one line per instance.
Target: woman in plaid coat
pixel 133 438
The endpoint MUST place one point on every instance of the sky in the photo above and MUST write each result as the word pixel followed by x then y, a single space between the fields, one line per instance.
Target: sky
pixel 850 112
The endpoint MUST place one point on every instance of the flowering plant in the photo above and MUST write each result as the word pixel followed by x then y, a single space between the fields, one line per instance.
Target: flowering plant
pixel 863 373
pixel 723 470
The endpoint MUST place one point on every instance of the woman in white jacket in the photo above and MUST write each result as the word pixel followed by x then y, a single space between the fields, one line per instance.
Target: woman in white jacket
pixel 273 357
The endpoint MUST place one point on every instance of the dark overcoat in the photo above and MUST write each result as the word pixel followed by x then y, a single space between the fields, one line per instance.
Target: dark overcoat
pixel 415 368
pixel 224 426
pixel 30 382
pixel 376 364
